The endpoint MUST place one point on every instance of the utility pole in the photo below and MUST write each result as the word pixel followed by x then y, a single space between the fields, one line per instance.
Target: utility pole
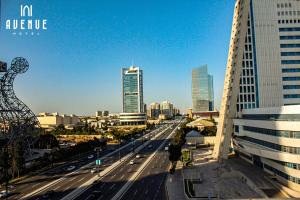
pixel 119 150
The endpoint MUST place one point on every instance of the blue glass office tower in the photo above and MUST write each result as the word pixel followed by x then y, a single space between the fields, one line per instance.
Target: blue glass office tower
pixel 202 90
pixel 132 93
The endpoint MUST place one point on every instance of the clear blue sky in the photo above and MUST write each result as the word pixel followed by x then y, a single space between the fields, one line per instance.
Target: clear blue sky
pixel 75 65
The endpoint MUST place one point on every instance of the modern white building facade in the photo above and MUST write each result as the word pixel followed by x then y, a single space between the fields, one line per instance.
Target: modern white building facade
pixel 271 60
pixel 261 98
pixel 270 139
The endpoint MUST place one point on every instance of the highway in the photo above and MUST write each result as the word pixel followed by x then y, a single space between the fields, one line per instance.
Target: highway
pixel 109 185
pixel 150 183
pixel 62 181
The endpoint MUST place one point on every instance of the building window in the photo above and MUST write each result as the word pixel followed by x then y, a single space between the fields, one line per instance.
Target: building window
pixel 290 37
pixel 289 29
pixel 291 87
pixel 288 70
pixel 290 53
pixel 277 133
pixel 291 96
pixel 295 78
pixel 290 45
pixel 290 62
pixel 236 128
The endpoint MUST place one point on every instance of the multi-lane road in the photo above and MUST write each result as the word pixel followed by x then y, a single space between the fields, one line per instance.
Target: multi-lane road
pixel 63 184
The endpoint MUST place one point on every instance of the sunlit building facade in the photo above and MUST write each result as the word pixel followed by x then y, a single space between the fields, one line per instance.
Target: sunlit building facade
pixel 261 98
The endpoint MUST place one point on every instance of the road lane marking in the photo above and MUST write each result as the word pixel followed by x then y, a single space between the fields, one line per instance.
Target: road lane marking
pixel 34 185
pixel 57 187
pixel 67 188
pixel 102 185
pixel 100 197
pixel 88 197
pixel 135 192
pixel 111 187
pixel 80 179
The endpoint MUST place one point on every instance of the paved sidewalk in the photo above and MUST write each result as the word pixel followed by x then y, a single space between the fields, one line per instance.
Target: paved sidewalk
pixel 174 184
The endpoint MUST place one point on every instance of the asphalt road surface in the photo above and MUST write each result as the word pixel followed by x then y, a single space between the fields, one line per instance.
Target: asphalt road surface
pixel 66 181
pixel 153 176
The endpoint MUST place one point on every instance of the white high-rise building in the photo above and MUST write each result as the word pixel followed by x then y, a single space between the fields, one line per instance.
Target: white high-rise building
pixel 262 88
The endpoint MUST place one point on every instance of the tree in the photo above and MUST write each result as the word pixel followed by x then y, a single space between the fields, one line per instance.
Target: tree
pixel 209 131
pixel 18 160
pixel 47 141
pixel 4 167
pixel 175 152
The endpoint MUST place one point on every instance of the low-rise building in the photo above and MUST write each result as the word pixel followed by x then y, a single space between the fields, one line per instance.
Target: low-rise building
pixel 52 120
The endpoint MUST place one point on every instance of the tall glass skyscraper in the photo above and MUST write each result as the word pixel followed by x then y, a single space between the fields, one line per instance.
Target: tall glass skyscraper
pixel 132 94
pixel 202 90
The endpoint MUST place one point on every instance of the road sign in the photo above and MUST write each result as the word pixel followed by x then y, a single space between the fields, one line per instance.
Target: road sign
pixel 98 162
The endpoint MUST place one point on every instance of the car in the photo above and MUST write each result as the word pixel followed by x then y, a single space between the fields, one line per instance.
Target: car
pixel 4 193
pixel 166 148
pixel 93 170
pixel 48 195
pixel 72 167
pixel 90 156
pixel 138 156
pixel 131 162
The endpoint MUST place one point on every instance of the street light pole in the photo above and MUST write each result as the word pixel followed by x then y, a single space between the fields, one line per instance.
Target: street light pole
pixel 119 150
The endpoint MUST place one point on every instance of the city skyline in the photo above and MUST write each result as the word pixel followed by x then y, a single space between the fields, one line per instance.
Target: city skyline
pixel 82 76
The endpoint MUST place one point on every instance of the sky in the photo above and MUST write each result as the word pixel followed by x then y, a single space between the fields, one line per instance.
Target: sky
pixel 75 65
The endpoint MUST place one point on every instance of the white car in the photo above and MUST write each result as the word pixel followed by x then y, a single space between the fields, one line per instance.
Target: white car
pixel 131 162
pixel 72 167
pixel 138 156
pixel 93 170
pixel 4 193
pixel 90 156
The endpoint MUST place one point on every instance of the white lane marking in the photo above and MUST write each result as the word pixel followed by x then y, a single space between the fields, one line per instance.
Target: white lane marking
pixel 88 197
pixel 34 185
pixel 146 192
pixel 135 192
pixel 57 187
pixel 111 187
pixel 72 179
pixel 80 179
pixel 100 197
pixel 102 185
pixel 67 187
